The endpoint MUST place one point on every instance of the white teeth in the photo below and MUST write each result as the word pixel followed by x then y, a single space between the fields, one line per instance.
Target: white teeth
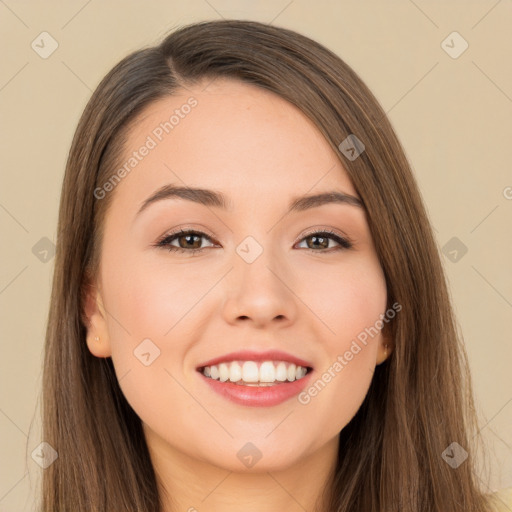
pixel 223 372
pixel 267 372
pixel 291 372
pixel 281 373
pixel 235 372
pixel 249 373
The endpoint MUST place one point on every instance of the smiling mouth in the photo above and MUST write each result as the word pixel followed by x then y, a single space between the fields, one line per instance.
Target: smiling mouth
pixel 255 373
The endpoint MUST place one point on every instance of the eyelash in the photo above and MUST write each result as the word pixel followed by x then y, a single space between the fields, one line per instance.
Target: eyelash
pixel 164 242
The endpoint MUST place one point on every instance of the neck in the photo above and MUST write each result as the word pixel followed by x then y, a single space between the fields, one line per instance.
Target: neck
pixel 192 485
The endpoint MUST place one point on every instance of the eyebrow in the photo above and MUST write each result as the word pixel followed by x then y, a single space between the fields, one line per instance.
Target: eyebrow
pixel 217 199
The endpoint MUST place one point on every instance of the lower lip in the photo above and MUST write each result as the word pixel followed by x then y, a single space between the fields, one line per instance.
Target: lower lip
pixel 254 396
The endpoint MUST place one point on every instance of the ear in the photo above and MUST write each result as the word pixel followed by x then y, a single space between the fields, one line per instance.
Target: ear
pixel 94 318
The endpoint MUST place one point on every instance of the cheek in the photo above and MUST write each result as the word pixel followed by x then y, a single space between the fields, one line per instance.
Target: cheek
pixel 151 301
pixel 351 309
pixel 349 298
pixel 149 310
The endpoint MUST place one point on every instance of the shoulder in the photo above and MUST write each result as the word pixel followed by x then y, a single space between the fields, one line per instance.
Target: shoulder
pixel 503 500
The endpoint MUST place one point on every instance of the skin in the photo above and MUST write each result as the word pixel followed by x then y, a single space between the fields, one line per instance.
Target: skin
pixel 261 152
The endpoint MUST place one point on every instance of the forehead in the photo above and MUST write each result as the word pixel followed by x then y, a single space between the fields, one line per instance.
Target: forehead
pixel 231 136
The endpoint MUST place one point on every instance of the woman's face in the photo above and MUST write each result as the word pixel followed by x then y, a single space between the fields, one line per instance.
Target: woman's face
pixel 266 278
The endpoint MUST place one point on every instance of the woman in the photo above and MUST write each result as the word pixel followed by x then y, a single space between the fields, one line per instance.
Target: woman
pixel 263 322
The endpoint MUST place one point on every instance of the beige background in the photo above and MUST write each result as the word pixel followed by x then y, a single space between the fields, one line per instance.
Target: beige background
pixel 453 116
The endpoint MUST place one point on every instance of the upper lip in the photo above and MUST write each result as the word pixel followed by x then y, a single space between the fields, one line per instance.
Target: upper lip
pixel 248 355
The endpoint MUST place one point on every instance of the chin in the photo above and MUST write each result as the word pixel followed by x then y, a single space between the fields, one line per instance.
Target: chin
pixel 258 456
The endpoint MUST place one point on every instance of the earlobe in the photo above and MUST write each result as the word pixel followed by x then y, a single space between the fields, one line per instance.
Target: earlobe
pixel 95 320
pixel 386 344
pixel 386 347
pixel 97 346
pixel 385 350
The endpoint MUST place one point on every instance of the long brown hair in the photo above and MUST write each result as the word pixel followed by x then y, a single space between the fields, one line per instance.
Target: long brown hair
pixel 420 400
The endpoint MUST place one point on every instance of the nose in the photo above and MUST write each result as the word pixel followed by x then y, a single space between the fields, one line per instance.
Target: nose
pixel 260 293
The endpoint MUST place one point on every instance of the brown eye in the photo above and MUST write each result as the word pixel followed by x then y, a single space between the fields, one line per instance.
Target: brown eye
pixel 188 241
pixel 319 241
